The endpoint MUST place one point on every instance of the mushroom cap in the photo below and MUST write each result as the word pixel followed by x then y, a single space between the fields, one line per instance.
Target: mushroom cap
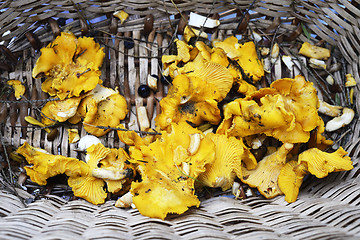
pixel 166 186
pixel 215 74
pixel 18 87
pixel 107 113
pixel 204 50
pixel 71 66
pixel 290 179
pixel 230 153
pixel 218 55
pixel 249 61
pixel 321 163
pixel 46 165
pixel 89 188
pixel 277 111
pixel 109 164
pixel 131 138
pixel 265 176
pixel 245 56
pixel 183 51
pixel 231 47
pixel 189 99
pixel 60 110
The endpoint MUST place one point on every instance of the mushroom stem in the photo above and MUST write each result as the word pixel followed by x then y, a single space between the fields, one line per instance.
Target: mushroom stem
pixel 329 110
pixel 194 145
pixel 124 201
pixel 110 174
pixel 339 122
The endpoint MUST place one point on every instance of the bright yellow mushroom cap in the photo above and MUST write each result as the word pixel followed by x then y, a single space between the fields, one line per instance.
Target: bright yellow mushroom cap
pixel 131 138
pixel 46 165
pixel 189 99
pixel 89 188
pixel 216 75
pixel 183 51
pixel 168 168
pixel 105 107
pixel 73 135
pixel 204 50
pixel 244 55
pixel 70 65
pixel 265 176
pixel 230 154
pixel 277 111
pixel 321 163
pixel 18 87
pixel 60 110
pixel 290 179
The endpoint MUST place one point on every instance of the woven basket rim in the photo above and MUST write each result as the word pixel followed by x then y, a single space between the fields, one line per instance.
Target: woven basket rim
pixel 324 206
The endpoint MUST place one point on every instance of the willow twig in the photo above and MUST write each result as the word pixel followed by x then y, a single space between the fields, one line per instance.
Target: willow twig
pixel 122 129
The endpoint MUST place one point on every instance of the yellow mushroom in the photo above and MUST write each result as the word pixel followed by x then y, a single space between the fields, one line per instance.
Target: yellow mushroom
pixel 33 121
pixel 216 75
pixel 190 32
pixel 18 87
pixel 244 56
pixel 183 51
pixel 105 108
pixel 73 135
pixel 265 176
pixel 312 51
pixel 70 65
pixel 168 171
pixel 189 99
pixel 122 15
pixel 350 80
pixel 321 163
pixel 60 110
pixel 111 165
pixel 276 111
pixel 290 179
pixel 230 153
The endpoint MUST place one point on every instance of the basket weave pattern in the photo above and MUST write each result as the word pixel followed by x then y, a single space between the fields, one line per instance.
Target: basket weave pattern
pixel 326 208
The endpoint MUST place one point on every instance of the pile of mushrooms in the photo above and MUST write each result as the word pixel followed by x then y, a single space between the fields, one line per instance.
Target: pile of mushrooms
pixel 201 144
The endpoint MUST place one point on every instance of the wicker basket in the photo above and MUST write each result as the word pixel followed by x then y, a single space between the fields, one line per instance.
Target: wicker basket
pixel 326 209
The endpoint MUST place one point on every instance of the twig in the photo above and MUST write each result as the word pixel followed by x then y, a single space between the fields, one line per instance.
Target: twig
pixel 243 16
pixel 168 15
pixel 31 101
pixel 208 15
pixel 122 129
pixel 7 158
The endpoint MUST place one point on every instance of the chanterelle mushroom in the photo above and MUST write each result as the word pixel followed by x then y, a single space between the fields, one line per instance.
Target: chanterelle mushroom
pixel 71 66
pixel 230 153
pixel 321 163
pixel 265 176
pixel 277 111
pixel 60 110
pixel 168 169
pixel 45 165
pixel 190 99
pixel 18 87
pixel 313 51
pixel 290 179
pixel 102 107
